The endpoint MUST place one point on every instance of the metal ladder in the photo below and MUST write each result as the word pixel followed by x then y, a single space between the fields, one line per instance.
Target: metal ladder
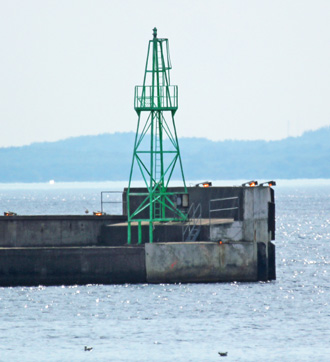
pixel 191 231
pixel 160 58
pixel 157 204
pixel 158 173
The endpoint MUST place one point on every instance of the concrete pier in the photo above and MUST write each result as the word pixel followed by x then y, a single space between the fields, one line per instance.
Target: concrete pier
pixel 233 244
pixel 185 262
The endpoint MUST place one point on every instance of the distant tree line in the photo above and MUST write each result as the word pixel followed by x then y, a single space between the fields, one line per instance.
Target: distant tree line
pixel 108 157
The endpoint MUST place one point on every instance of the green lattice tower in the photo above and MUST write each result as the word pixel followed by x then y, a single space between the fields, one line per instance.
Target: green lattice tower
pixel 156 148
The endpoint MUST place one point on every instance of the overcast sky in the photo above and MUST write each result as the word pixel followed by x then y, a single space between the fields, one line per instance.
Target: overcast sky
pixel 245 69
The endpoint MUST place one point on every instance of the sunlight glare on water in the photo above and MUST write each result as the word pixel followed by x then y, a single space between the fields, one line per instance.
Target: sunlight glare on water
pixel 284 320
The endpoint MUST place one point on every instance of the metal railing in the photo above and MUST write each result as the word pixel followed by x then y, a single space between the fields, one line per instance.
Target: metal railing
pixel 194 222
pixel 153 97
pixel 116 201
pixel 219 209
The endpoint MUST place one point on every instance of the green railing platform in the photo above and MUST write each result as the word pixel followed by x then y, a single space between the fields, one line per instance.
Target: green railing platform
pixel 156 98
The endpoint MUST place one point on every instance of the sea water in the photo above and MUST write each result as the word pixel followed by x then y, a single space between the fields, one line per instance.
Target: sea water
pixel 283 320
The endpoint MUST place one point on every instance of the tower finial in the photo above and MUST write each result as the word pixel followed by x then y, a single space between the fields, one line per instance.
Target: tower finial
pixel 154 32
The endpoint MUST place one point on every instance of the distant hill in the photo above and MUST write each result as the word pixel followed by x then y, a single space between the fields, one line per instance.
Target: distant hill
pixel 108 157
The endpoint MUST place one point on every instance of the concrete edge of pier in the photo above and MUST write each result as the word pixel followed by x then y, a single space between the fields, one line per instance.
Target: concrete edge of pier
pixel 177 262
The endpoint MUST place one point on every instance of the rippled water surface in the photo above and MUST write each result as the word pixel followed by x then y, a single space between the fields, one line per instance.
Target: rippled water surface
pixel 284 320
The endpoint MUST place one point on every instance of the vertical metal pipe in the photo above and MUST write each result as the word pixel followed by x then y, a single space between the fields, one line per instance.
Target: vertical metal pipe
pixel 129 236
pixel 151 232
pixel 139 233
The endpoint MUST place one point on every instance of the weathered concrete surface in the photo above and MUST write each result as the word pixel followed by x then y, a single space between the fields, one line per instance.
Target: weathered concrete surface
pixel 116 234
pixel 262 261
pixel 197 195
pixel 72 265
pixel 201 262
pixel 154 263
pixel 53 230
pixel 255 225
pixel 271 261
pixel 225 232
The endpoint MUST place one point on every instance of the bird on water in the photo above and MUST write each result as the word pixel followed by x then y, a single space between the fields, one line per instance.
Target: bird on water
pixel 88 348
pixel 223 354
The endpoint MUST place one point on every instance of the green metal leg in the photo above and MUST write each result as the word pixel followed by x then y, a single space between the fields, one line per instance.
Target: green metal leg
pixel 139 233
pixel 129 234
pixel 150 232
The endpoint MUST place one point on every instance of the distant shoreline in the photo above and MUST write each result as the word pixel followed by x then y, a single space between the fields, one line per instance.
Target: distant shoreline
pixel 109 157
pixel 119 185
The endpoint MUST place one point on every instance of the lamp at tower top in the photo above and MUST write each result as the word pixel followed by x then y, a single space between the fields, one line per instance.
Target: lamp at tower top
pixel 154 32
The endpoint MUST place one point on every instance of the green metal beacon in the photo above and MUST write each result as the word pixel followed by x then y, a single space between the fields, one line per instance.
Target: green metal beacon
pixel 156 151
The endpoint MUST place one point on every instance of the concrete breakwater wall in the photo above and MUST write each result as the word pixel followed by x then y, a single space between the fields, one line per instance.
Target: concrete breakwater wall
pixel 201 262
pixel 71 265
pixel 252 211
pixel 234 244
pixel 149 263
pixel 53 230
